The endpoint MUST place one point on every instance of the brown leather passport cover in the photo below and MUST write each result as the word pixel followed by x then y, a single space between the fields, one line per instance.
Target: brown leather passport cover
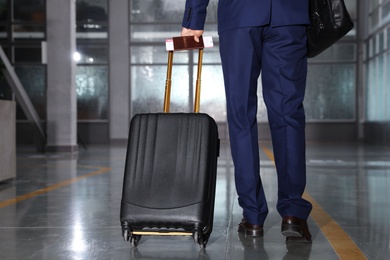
pixel 187 43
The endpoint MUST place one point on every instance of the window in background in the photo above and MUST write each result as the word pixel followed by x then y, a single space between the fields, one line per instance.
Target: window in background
pixel 28 31
pixel 151 23
pixel 29 19
pixel 28 53
pixel 92 94
pixel 5 90
pixel 331 87
pixel 33 79
pixel 378 14
pixel 330 94
pixel 92 19
pixel 92 59
pixel 4 10
pixel 22 30
pixel 378 63
pixel 378 79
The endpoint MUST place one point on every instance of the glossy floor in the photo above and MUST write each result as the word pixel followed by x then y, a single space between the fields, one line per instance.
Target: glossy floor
pixel 64 206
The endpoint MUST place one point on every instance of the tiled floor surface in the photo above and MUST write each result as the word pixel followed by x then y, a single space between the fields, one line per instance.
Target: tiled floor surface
pixel 64 206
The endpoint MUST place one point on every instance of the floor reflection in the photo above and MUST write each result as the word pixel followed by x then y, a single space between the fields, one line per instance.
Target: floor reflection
pixel 67 207
pixel 253 247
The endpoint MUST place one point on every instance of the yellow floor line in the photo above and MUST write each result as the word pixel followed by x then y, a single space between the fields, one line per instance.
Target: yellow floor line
pixel 341 242
pixel 50 188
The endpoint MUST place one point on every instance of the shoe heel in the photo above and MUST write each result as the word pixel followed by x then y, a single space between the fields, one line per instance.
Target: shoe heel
pixel 254 233
pixel 289 230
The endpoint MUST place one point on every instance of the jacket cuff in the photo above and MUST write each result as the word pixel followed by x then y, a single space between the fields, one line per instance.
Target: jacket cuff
pixel 194 17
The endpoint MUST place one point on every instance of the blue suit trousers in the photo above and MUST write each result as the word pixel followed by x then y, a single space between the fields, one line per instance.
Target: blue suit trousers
pixel 279 54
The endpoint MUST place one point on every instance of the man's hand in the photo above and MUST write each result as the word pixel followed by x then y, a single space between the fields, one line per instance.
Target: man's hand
pixel 190 32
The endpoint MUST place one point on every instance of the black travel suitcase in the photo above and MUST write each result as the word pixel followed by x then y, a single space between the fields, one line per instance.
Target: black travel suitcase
pixel 170 172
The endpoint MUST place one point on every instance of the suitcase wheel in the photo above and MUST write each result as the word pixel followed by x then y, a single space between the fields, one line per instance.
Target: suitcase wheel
pixel 125 234
pixel 126 231
pixel 134 239
pixel 201 239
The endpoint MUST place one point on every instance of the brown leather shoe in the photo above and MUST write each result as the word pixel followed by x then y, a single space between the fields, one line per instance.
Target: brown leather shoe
pixel 250 230
pixel 295 229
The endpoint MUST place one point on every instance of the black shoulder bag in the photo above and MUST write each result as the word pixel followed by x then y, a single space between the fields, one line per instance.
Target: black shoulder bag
pixel 330 21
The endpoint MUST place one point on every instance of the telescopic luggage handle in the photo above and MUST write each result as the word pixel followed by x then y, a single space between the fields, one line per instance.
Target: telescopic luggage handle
pixel 168 83
pixel 184 43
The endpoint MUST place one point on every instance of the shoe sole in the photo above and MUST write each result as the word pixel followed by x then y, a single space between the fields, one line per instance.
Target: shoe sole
pixel 254 233
pixel 251 233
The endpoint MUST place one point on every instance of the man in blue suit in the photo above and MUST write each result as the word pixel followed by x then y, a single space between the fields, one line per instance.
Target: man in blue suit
pixel 267 36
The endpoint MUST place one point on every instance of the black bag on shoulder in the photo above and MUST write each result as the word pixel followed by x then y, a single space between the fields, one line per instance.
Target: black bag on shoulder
pixel 330 21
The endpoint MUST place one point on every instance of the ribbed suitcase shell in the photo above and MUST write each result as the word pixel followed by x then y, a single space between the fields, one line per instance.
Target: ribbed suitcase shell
pixel 170 173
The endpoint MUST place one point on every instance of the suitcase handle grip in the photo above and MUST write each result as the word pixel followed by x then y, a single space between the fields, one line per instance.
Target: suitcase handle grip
pixel 188 45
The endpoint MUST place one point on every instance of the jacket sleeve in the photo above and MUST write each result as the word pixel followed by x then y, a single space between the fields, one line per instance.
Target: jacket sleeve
pixel 195 14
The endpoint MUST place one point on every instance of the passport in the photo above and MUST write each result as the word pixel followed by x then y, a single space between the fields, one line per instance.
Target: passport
pixel 188 43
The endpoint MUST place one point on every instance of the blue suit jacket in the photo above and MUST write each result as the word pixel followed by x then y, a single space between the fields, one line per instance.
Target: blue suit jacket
pixel 247 13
